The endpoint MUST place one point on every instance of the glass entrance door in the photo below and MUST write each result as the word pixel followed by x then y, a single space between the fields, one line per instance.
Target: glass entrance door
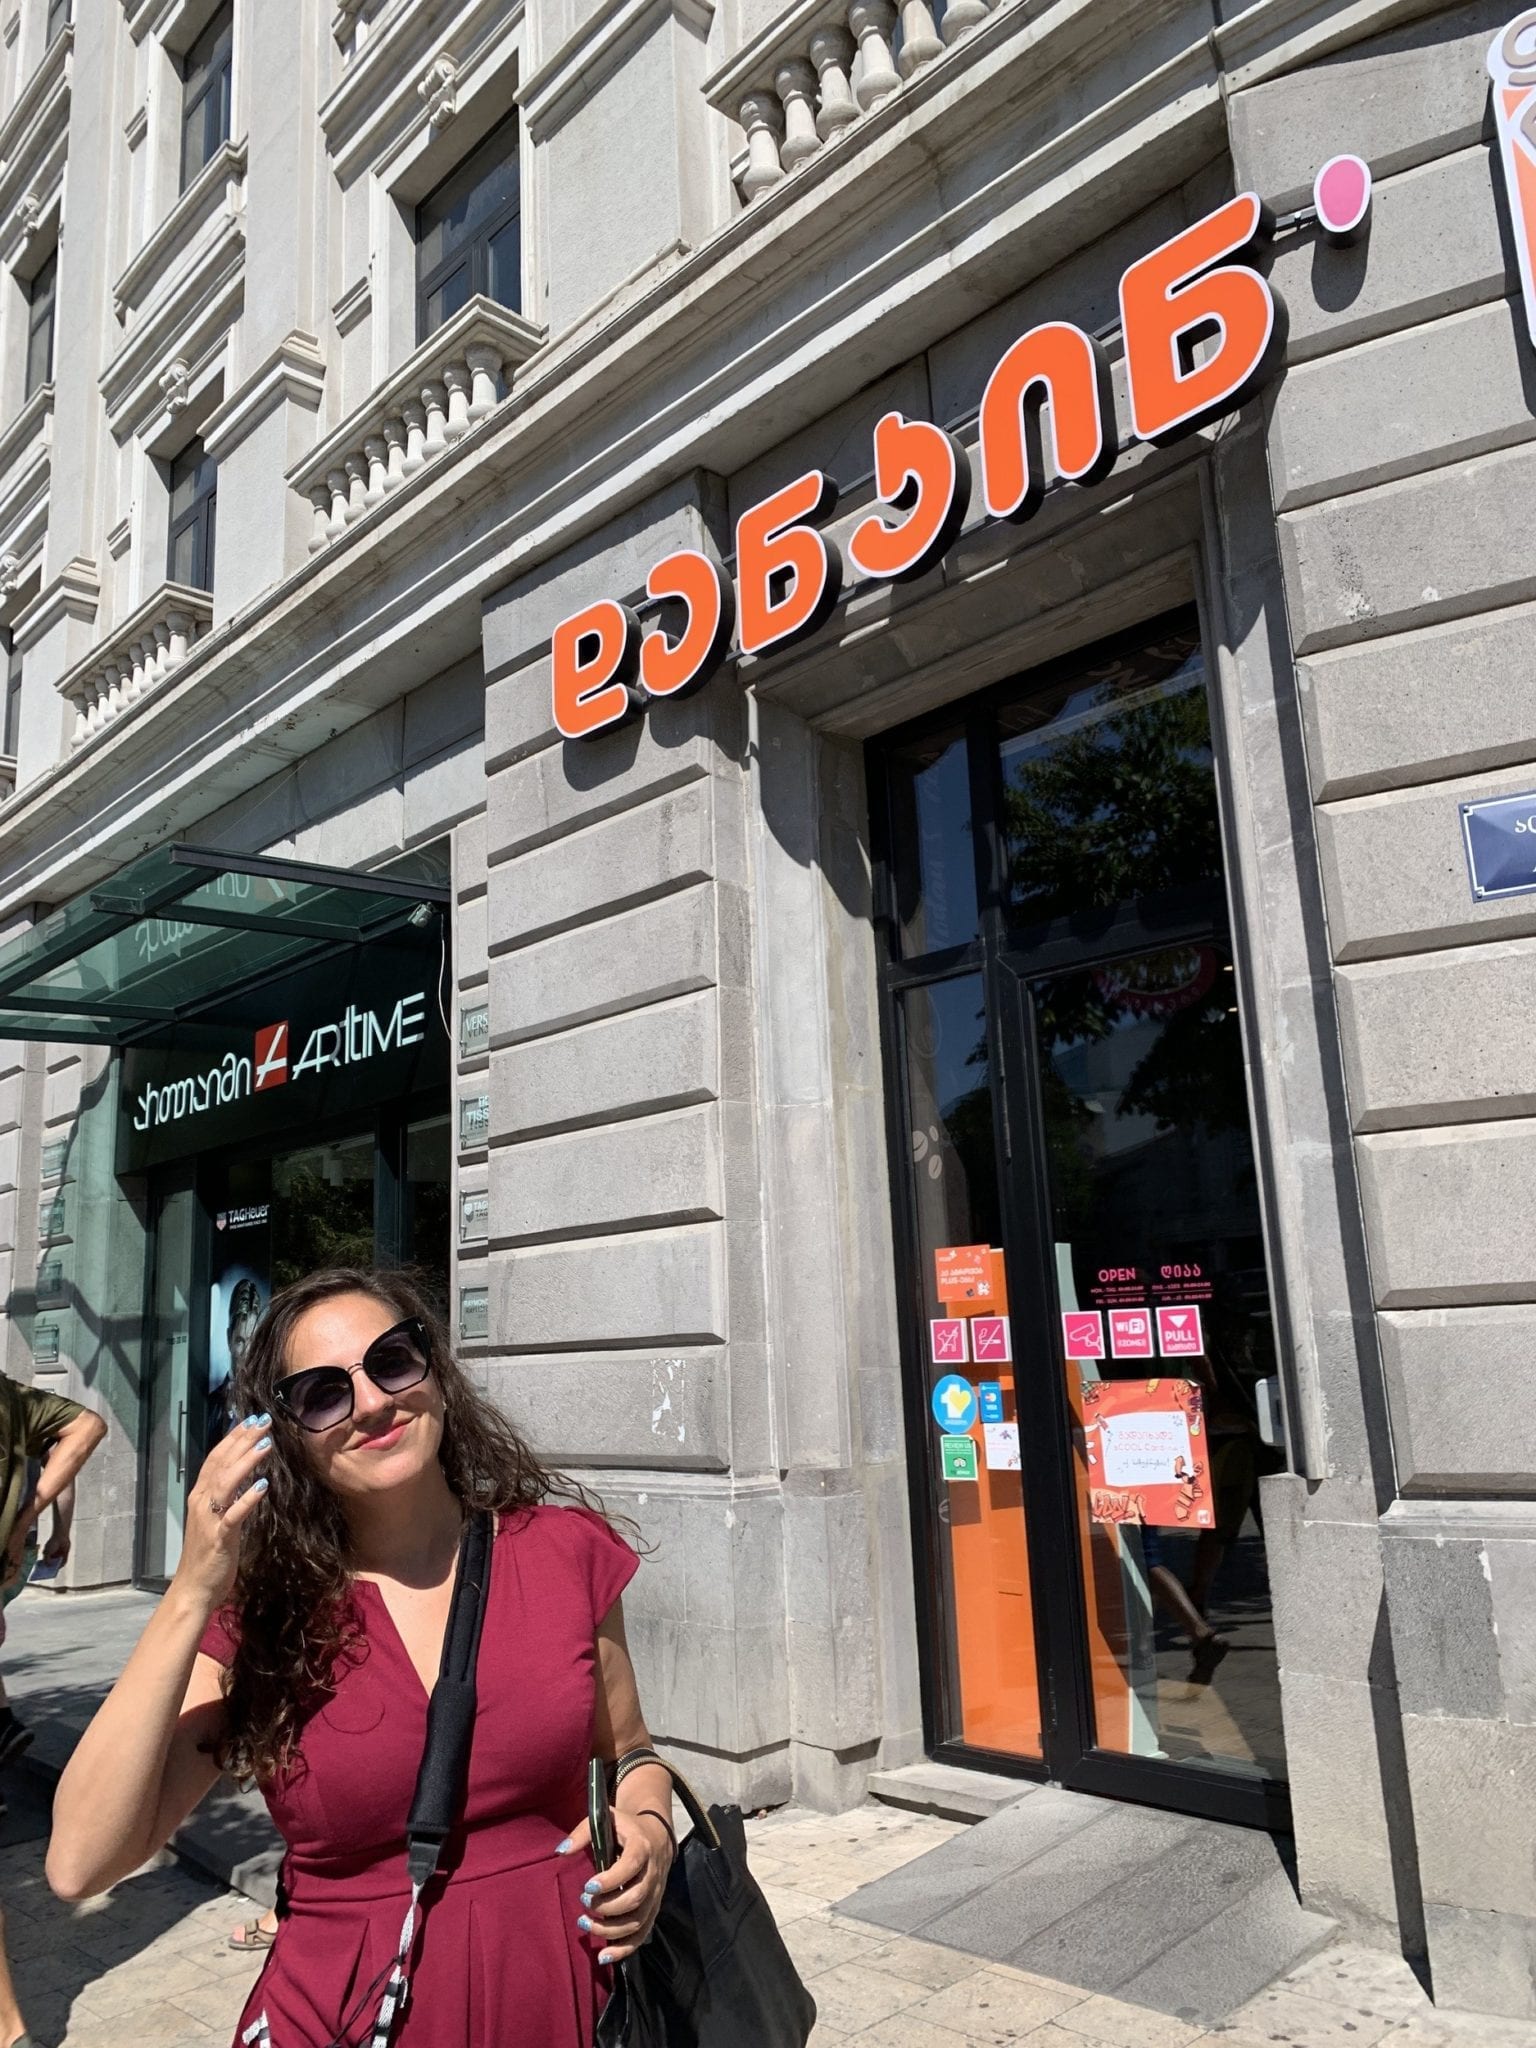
pixel 1156 1307
pixel 174 1418
pixel 1090 1353
pixel 230 1232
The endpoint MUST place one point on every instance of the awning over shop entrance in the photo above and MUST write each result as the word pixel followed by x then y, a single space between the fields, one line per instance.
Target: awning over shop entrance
pixel 178 941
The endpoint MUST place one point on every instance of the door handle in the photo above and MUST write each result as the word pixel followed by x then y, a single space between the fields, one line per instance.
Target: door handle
pixel 181 1438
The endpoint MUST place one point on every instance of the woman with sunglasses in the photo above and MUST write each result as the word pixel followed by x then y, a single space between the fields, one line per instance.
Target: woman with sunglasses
pixel 297 1645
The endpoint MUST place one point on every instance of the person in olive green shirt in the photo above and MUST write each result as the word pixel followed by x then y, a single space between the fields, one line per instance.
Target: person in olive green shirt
pixel 34 1428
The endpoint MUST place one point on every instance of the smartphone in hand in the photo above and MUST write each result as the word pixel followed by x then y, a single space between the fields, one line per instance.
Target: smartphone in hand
pixel 605 1852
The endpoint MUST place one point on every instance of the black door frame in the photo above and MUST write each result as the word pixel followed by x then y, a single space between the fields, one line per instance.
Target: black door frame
pixel 1007 959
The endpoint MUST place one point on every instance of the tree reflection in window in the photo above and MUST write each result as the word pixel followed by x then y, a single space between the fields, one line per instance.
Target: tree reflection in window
pixel 1108 796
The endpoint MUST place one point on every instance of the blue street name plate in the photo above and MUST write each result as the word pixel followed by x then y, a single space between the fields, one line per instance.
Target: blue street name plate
pixel 1500 835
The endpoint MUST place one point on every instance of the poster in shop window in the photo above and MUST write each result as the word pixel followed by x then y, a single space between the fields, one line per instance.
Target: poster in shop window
pixel 963 1277
pixel 239 1289
pixel 1147 1451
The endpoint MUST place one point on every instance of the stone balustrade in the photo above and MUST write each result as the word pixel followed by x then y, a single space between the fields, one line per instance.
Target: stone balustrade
pixel 822 68
pixel 457 376
pixel 144 650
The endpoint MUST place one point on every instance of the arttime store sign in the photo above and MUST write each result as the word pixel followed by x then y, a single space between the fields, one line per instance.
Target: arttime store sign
pixel 345 1035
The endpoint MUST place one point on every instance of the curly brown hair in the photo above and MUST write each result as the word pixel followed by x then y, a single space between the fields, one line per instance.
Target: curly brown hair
pixel 294 1618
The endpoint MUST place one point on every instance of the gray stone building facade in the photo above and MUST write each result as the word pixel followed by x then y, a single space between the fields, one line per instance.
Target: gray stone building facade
pixel 345 355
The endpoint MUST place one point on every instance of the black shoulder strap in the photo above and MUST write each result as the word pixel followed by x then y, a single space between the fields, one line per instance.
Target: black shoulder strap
pixel 451 1712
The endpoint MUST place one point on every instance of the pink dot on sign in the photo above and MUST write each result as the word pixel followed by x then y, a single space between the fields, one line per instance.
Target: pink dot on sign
pixel 1342 196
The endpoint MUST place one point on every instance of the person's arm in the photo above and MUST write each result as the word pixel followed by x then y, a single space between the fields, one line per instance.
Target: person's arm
pixel 64 1435
pixel 144 1762
pixel 56 1549
pixel 69 1449
pixel 622 1902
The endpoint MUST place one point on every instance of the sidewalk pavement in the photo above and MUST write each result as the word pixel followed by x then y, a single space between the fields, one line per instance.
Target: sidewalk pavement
pixel 149 1964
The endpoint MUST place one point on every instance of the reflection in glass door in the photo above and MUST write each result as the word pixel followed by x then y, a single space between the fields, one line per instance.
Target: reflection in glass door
pixel 173 1424
pixel 1070 1101
pixel 1162 1299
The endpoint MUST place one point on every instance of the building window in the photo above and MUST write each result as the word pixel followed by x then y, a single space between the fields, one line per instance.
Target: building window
pixel 205 73
pixel 194 482
pixel 10 726
pixel 60 14
pixel 40 300
pixel 469 234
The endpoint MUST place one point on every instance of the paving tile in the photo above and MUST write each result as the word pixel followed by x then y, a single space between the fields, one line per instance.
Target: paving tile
pixel 851 1997
pixel 1375 1980
pixel 788 1904
pixel 1112 2023
pixel 1291 2017
pixel 1460 2030
pixel 920 1962
pixel 995 2008
pixel 910 2030
pixel 818 1944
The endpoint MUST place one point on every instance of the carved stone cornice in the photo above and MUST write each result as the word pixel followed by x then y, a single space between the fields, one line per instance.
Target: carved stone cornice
pixel 412 63
pixel 75 593
pixel 294 373
pixel 217 188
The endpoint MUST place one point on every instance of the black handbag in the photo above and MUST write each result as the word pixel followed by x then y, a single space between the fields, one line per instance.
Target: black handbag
pixel 715 1972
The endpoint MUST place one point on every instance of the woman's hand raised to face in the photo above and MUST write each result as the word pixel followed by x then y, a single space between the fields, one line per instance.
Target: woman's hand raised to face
pixel 229 1490
pixel 620 1904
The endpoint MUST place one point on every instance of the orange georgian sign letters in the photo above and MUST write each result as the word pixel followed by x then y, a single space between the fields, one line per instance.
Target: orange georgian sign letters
pixel 1202 329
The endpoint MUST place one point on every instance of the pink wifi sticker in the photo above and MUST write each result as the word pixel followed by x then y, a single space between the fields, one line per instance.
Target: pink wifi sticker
pixel 1341 193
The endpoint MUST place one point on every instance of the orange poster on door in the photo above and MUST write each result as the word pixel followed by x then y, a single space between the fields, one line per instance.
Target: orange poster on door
pixel 963 1275
pixel 1147 1453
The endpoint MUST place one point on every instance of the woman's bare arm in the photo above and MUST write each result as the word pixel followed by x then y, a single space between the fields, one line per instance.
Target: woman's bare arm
pixel 623 1901
pixel 144 1762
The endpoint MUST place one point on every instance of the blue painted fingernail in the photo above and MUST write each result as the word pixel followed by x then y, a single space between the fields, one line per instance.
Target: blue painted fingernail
pixel 263 1419
pixel 250 1422
pixel 258 1486
pixel 265 1444
pixel 563 1849
pixel 584 1924
pixel 606 1956
pixel 589 1891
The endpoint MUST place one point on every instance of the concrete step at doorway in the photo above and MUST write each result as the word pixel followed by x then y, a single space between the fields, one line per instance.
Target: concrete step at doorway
pixel 1189 1917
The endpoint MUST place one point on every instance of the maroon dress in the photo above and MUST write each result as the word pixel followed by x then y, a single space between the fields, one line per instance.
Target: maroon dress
pixel 500 1963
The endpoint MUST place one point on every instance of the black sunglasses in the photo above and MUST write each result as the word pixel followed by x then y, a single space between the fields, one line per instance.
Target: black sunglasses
pixel 321 1396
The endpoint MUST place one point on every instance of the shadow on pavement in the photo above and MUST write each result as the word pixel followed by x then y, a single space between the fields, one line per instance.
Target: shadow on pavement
pixel 59 1951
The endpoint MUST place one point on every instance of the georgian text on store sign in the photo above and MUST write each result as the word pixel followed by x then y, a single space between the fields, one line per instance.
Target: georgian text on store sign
pixel 1202 330
pixel 357 1035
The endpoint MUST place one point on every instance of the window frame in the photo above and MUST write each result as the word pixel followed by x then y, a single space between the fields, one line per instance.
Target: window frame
pixel 41 320
pixel 475 253
pixel 10 712
pixel 216 79
pixel 60 14
pixel 200 519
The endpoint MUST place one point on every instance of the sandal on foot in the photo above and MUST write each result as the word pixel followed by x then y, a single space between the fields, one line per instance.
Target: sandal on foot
pixel 251 1937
